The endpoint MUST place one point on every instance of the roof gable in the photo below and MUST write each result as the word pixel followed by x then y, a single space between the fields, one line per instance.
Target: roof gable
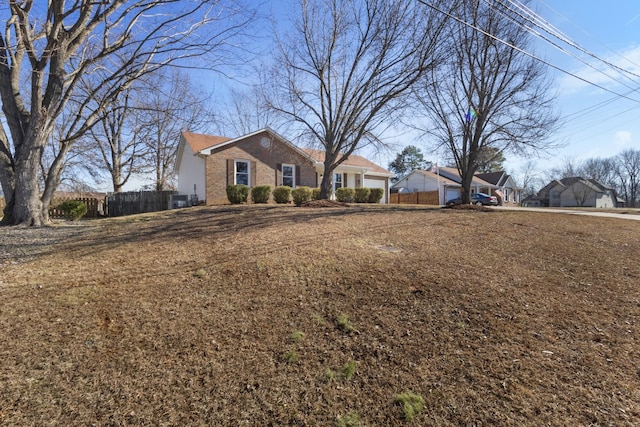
pixel 207 151
pixel 353 160
pixel 453 174
pixel 495 178
pixel 199 141
pixel 430 175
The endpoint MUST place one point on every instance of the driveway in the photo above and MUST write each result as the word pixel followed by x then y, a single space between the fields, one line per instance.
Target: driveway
pixel 634 216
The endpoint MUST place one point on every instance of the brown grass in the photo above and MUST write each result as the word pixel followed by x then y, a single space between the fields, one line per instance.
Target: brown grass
pixel 186 318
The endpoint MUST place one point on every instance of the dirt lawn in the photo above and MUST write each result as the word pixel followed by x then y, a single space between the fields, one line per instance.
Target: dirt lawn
pixel 258 316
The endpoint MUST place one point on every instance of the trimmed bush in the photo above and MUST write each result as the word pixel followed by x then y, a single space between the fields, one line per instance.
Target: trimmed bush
pixel 73 209
pixel 345 195
pixel 282 194
pixel 362 195
pixel 375 195
pixel 301 195
pixel 315 193
pixel 260 193
pixel 237 193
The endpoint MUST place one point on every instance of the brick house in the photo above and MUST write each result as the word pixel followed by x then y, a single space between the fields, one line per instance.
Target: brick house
pixel 206 164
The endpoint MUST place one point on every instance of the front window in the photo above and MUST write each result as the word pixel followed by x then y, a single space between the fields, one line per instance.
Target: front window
pixel 242 172
pixel 288 175
pixel 337 181
pixel 506 194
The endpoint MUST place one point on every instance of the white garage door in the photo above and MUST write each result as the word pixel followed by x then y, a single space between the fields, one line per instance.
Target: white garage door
pixel 452 193
pixel 376 183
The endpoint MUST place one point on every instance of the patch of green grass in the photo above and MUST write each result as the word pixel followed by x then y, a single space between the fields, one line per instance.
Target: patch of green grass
pixel 329 375
pixel 344 323
pixel 297 336
pixel 291 356
pixel 348 370
pixel 318 320
pixel 352 419
pixel 411 403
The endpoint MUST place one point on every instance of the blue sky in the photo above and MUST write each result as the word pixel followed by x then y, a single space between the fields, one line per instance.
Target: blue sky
pixel 597 123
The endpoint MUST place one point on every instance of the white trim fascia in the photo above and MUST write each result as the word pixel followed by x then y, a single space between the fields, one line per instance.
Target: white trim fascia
pixel 181 145
pixel 207 151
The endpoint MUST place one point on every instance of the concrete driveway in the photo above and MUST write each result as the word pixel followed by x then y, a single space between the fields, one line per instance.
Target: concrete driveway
pixel 633 216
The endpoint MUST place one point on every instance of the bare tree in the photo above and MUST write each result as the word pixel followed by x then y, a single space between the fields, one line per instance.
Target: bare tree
pixel 346 68
pixel 628 173
pixel 488 94
pixel 117 142
pixel 57 44
pixel 245 112
pixel 601 170
pixel 529 179
pixel 570 167
pixel 168 105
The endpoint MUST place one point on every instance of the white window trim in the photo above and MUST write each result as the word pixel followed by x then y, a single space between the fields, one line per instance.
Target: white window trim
pixel 235 171
pixel 293 178
pixel 335 181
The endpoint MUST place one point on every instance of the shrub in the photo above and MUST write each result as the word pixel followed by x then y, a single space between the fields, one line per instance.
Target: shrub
pixel 315 194
pixel 375 195
pixel 362 195
pixel 237 193
pixel 301 195
pixel 260 193
pixel 282 194
pixel 73 209
pixel 411 403
pixel 345 194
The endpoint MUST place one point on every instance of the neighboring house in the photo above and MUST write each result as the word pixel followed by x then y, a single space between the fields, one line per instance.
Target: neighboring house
pixel 421 180
pixel 206 164
pixel 577 192
pixel 506 190
pixel 448 181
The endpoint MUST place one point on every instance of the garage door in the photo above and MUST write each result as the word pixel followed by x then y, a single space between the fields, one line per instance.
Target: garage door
pixel 376 183
pixel 452 193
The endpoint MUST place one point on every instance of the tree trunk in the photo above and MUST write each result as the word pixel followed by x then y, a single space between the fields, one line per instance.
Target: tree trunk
pixel 467 178
pixel 27 207
pixel 325 186
pixel 327 178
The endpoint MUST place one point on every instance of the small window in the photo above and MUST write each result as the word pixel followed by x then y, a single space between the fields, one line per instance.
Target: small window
pixel 337 181
pixel 506 194
pixel 242 172
pixel 289 175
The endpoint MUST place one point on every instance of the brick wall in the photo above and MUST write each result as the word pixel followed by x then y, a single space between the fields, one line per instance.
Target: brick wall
pixel 266 158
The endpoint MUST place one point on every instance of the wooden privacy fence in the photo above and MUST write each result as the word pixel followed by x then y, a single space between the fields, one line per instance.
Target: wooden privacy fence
pixel 418 198
pixel 135 202
pixel 95 207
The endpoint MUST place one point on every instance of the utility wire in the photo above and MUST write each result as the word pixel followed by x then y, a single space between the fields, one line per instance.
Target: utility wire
pixel 539 22
pixel 461 21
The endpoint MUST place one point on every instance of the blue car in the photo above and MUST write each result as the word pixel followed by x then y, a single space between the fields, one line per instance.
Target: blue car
pixel 479 199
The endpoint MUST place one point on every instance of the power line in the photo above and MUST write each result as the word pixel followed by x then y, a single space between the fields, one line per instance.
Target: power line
pixel 461 21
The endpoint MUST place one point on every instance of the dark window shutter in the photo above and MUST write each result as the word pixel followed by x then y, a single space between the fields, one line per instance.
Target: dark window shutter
pixel 297 168
pixel 278 174
pixel 344 179
pixel 231 166
pixel 253 182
